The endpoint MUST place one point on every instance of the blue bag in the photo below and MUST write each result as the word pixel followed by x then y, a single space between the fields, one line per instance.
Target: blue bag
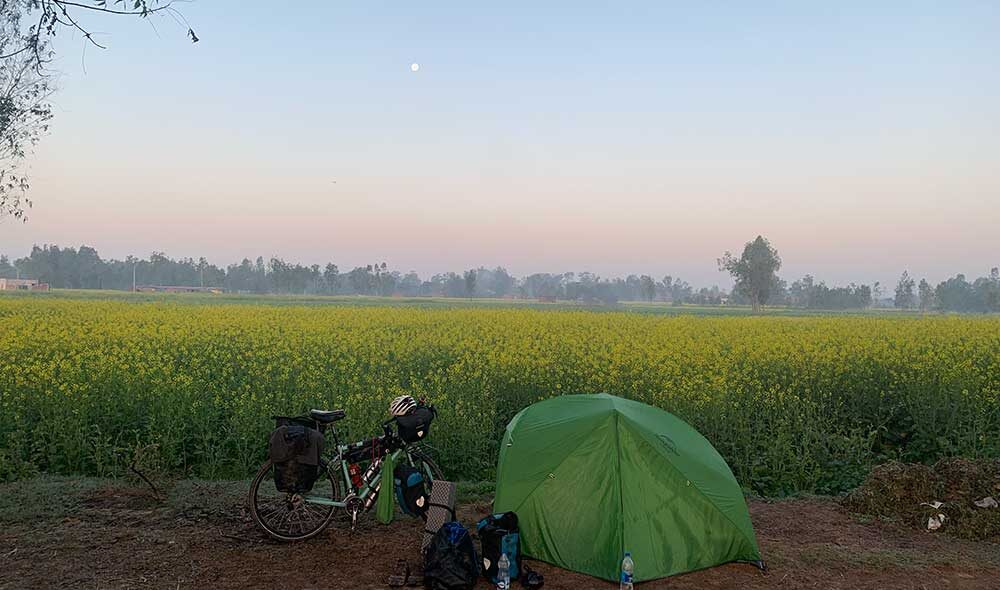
pixel 411 490
pixel 499 534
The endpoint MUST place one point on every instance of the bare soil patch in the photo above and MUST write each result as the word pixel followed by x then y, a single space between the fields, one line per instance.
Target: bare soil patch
pixel 115 536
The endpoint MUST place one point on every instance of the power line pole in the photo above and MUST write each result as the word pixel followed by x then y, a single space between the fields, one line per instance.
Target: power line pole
pixel 134 264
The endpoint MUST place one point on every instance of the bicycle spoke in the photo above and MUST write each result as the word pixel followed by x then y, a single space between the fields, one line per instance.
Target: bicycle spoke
pixel 314 511
pixel 288 517
pixel 283 520
pixel 274 510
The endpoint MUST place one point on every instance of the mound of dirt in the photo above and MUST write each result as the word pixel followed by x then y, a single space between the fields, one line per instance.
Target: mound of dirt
pixel 911 493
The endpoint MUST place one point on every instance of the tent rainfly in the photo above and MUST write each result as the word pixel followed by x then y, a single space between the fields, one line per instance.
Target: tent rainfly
pixel 593 476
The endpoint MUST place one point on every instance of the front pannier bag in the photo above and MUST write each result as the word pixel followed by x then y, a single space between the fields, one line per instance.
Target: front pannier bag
pixel 411 490
pixel 294 449
pixel 416 425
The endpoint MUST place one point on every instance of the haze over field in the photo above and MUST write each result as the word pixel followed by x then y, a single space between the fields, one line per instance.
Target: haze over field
pixel 861 139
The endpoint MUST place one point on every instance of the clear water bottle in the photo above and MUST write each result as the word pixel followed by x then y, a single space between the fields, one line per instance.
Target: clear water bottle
pixel 627 568
pixel 503 573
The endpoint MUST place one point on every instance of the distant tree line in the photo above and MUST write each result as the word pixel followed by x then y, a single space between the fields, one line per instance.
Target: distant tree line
pixel 83 268
pixel 956 294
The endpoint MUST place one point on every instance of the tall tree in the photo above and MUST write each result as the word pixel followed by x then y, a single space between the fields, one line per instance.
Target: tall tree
pixel 648 287
pixel 24 107
pixel 926 294
pixel 470 283
pixel 754 271
pixel 956 294
pixel 7 270
pixel 905 297
pixel 993 285
pixel 331 275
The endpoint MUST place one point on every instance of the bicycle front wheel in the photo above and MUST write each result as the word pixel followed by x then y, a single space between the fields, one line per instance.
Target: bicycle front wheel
pixel 288 516
pixel 421 459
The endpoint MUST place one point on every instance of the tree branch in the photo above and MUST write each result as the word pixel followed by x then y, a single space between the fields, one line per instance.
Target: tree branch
pixel 21 50
pixel 144 12
pixel 76 25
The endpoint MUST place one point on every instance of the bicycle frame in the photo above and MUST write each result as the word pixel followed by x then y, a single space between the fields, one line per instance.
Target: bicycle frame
pixel 361 492
pixel 365 490
pixel 356 471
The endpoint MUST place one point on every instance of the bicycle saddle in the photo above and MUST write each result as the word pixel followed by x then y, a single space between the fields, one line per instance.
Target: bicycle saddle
pixel 327 416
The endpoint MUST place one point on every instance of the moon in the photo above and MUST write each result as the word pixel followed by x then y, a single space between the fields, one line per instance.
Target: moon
pixel 414 67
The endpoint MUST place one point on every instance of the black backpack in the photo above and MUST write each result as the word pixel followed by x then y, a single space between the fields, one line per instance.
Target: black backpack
pixel 498 534
pixel 450 562
pixel 411 490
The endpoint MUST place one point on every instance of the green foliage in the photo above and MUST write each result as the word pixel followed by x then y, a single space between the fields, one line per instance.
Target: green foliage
pixel 794 404
pixel 755 271
pixel 905 297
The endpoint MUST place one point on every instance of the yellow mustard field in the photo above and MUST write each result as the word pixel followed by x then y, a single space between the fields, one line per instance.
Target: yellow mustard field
pixel 794 404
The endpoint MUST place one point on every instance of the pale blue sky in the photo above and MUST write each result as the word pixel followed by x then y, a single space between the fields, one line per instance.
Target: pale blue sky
pixel 617 137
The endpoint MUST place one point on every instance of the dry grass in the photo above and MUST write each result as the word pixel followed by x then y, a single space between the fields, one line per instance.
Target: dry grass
pixel 901 492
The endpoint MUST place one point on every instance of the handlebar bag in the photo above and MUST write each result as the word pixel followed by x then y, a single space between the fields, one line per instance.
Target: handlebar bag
pixel 416 425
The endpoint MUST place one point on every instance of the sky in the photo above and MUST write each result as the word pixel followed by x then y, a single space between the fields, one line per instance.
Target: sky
pixel 861 138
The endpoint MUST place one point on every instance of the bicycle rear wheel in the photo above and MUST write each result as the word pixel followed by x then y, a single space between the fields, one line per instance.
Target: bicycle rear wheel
pixel 287 516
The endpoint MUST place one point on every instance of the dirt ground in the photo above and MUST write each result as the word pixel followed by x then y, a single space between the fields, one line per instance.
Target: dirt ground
pixel 103 535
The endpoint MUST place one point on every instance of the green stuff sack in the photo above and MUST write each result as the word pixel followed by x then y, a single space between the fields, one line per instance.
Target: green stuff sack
pixel 386 507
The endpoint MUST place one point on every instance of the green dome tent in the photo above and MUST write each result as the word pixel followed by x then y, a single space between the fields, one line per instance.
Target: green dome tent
pixel 593 476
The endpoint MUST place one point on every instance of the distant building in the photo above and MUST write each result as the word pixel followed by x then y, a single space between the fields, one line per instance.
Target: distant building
pixel 176 289
pixel 22 285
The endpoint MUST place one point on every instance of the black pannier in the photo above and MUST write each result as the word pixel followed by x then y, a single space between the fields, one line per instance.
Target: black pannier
pixel 294 477
pixel 294 448
pixel 416 425
pixel 411 490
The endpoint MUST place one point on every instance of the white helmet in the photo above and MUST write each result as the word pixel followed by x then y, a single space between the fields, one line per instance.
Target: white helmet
pixel 402 405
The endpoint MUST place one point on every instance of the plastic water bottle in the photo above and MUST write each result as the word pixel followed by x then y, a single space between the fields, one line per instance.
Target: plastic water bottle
pixel 503 573
pixel 627 568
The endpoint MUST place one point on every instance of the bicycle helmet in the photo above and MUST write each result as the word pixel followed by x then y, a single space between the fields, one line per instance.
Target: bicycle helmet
pixel 402 405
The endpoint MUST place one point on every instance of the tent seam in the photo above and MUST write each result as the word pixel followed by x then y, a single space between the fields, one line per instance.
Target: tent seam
pixel 753 542
pixel 552 471
pixel 621 493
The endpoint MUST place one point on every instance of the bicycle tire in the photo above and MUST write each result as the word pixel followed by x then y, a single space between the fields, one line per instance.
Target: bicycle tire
pixel 327 512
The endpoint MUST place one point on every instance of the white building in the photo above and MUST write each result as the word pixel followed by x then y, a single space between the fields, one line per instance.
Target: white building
pixel 22 285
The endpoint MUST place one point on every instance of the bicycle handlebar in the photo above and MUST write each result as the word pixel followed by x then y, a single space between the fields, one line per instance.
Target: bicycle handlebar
pixel 389 435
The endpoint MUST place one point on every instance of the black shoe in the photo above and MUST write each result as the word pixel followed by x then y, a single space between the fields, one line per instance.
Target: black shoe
pixel 530 579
